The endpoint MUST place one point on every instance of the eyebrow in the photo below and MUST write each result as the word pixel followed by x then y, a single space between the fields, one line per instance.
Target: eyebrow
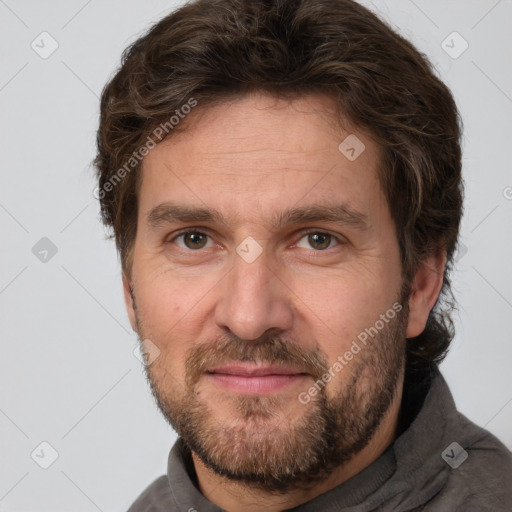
pixel 337 213
pixel 168 213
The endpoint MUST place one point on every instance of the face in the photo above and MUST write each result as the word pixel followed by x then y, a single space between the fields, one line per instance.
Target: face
pixel 266 271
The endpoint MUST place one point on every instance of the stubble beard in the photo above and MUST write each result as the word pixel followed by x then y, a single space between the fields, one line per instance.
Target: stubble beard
pixel 256 445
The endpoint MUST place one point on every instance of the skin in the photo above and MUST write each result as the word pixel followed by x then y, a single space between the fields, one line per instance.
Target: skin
pixel 249 159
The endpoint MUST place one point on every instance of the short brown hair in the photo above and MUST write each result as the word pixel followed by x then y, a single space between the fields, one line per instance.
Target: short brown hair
pixel 212 50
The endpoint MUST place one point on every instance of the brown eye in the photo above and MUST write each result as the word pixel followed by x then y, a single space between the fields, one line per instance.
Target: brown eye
pixel 192 240
pixel 316 240
pixel 319 240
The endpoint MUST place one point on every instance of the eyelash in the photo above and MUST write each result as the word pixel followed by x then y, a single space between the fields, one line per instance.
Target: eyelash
pixel 337 238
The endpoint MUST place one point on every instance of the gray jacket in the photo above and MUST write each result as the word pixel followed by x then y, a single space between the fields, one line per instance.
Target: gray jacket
pixel 442 462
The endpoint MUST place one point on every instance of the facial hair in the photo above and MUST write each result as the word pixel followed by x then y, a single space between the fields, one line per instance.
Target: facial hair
pixel 331 429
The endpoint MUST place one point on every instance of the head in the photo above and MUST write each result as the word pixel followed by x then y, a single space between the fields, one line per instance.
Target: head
pixel 283 181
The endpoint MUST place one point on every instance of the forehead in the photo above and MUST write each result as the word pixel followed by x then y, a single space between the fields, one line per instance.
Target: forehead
pixel 258 154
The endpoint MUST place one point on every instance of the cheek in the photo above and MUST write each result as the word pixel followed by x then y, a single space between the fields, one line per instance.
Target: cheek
pixel 166 308
pixel 175 308
pixel 164 294
pixel 166 319
pixel 340 306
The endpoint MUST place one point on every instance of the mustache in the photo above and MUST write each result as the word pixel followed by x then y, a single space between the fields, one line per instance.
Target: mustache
pixel 268 348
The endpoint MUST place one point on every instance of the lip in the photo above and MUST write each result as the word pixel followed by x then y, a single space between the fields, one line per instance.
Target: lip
pixel 254 370
pixel 254 379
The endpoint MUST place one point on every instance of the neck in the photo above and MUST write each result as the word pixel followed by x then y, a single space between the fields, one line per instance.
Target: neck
pixel 239 497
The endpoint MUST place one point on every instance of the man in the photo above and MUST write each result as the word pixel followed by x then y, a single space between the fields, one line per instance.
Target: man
pixel 283 179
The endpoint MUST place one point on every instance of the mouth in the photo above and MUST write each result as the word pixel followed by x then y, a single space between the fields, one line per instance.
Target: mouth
pixel 254 379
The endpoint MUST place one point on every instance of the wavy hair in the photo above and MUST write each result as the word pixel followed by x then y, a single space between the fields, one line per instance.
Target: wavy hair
pixel 212 50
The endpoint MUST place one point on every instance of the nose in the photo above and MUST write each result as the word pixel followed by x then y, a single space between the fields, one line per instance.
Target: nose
pixel 252 299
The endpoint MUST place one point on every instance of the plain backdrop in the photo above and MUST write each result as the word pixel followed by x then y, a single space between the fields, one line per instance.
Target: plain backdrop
pixel 68 373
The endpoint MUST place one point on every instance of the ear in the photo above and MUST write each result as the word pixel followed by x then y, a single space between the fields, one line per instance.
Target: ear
pixel 128 300
pixel 425 290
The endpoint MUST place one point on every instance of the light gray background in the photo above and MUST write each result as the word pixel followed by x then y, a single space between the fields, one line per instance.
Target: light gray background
pixel 68 375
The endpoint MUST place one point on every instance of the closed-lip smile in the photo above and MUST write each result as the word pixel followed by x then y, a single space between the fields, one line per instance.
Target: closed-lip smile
pixel 252 378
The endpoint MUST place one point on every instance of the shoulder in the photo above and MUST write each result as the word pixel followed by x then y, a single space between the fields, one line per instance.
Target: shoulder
pixel 481 477
pixel 445 462
pixel 157 497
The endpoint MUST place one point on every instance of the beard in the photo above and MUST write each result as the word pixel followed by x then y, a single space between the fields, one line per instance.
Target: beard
pixel 255 443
